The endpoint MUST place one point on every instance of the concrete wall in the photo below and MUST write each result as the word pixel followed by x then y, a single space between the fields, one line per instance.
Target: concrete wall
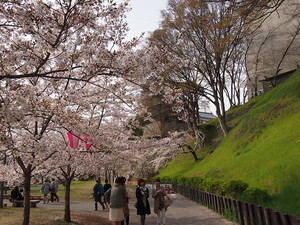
pixel 271 41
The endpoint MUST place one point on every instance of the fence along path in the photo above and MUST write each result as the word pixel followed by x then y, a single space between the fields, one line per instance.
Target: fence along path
pixel 243 212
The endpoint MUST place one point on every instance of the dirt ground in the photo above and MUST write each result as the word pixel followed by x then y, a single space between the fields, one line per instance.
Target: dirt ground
pixel 89 219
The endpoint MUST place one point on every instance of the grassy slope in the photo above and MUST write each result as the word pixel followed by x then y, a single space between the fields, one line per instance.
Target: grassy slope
pixel 262 148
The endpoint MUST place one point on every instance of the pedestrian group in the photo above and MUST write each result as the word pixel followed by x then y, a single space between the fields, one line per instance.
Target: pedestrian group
pixel 116 198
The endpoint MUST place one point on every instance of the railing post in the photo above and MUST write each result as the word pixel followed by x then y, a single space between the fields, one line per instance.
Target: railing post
pixel 252 214
pixel 240 212
pixel 260 215
pixel 285 219
pixel 245 213
pixel 276 220
pixel 267 216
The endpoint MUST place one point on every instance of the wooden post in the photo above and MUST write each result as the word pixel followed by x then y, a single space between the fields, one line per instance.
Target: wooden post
pixel 259 214
pixel 267 216
pixel 276 220
pixel 240 212
pixel 200 197
pixel 1 193
pixel 245 213
pixel 235 209
pixel 222 205
pixel 210 201
pixel 285 219
pixel 214 202
pixel 219 204
pixel 252 216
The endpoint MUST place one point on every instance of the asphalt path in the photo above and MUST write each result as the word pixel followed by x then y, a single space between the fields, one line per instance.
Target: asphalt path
pixel 182 212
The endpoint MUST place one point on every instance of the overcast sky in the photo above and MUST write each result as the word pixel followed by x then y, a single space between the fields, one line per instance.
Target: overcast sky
pixel 144 16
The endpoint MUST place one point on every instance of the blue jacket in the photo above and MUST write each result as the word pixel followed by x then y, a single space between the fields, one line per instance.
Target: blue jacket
pixel 98 189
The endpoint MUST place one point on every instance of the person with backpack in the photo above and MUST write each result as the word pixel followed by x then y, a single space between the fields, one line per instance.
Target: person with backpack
pixel 45 189
pixel 98 192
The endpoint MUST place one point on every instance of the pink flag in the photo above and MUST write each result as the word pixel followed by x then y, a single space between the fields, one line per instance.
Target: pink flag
pixel 73 140
pixel 87 145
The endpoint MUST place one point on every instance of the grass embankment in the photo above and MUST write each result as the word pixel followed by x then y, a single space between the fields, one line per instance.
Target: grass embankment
pixel 261 149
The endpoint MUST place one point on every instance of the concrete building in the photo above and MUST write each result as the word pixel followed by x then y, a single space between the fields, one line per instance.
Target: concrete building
pixel 275 46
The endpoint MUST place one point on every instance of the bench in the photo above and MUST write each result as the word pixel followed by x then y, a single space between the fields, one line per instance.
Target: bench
pixel 20 203
pixel 36 198
pixel 6 196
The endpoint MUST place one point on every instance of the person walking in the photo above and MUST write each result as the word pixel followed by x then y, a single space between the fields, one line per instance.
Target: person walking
pixel 106 187
pixel 98 192
pixel 142 203
pixel 160 208
pixel 54 190
pixel 126 206
pixel 116 197
pixel 45 189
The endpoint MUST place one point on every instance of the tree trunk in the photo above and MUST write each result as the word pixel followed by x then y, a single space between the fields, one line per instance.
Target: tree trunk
pixel 26 215
pixel 67 216
pixel 195 156
pixel 27 176
pixel 1 193
pixel 222 121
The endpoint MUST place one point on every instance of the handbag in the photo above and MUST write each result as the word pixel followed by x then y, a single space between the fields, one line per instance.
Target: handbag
pixel 168 201
pixel 136 204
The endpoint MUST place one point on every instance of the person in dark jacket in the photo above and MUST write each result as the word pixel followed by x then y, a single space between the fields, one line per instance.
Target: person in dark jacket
pixel 14 193
pixel 106 187
pixel 98 192
pixel 20 195
pixel 142 204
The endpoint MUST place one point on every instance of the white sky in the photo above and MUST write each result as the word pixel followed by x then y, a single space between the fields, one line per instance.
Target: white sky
pixel 144 16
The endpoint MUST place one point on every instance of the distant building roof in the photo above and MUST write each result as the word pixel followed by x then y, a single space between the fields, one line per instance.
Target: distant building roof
pixel 207 115
pixel 287 73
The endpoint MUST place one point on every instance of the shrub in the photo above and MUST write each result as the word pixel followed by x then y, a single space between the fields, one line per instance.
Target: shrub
pixel 175 180
pixel 195 182
pixel 182 181
pixel 233 187
pixel 166 180
pixel 256 195
pixel 211 185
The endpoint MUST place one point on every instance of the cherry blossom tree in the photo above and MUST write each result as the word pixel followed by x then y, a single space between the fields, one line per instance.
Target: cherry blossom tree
pixel 59 59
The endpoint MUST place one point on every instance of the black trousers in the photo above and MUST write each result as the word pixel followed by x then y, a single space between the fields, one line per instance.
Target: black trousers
pixel 127 221
pixel 54 195
pixel 101 203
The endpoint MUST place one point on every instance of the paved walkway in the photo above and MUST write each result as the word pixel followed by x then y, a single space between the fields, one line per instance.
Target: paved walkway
pixel 181 212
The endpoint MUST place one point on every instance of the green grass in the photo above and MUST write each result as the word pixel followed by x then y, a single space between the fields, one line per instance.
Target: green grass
pixel 262 148
pixel 13 216
pixel 80 190
pixel 38 216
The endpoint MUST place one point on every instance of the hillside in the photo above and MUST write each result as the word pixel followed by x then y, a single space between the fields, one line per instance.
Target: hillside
pixel 261 149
